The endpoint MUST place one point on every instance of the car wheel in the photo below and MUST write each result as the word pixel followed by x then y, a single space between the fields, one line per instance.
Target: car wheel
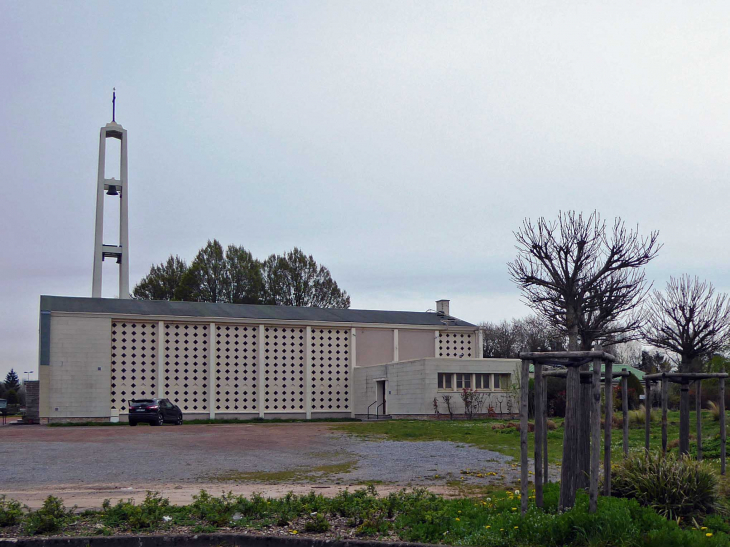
pixel 179 420
pixel 159 420
pixel 132 423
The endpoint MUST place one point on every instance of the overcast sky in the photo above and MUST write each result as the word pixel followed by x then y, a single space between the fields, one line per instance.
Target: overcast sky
pixel 400 143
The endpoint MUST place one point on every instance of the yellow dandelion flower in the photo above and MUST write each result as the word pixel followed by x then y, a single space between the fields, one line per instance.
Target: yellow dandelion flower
pixel 516 527
pixel 487 527
pixel 457 518
pixel 703 528
pixel 514 508
pixel 709 534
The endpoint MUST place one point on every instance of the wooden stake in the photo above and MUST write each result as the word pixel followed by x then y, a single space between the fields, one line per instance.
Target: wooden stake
pixel 684 418
pixel 608 379
pixel 665 383
pixel 524 396
pixel 595 413
pixel 625 409
pixel 647 407
pixel 545 476
pixel 723 438
pixel 698 410
pixel 539 432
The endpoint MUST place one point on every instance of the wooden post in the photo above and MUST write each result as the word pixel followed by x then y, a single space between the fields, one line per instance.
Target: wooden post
pixel 647 407
pixel 665 386
pixel 539 432
pixel 524 396
pixel 608 429
pixel 545 476
pixel 698 410
pixel 684 418
pixel 625 409
pixel 569 469
pixel 595 413
pixel 722 426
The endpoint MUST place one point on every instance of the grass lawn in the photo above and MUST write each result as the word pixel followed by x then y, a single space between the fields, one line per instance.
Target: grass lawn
pixel 480 433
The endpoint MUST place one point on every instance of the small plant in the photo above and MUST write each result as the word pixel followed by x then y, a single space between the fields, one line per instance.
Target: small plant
pixel 214 511
pixel 50 518
pixel 317 524
pixel 148 514
pixel 473 402
pixel 436 407
pixel 675 487
pixel 447 401
pixel 714 410
pixel 11 512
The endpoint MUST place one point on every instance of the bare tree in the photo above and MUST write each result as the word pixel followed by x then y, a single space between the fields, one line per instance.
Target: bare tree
pixel 585 279
pixel 509 338
pixel 581 276
pixel 689 319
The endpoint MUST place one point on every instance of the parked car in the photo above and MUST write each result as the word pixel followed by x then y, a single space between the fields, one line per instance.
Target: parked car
pixel 154 412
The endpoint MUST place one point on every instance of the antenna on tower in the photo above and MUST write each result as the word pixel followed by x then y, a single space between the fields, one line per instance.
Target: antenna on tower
pixel 114 105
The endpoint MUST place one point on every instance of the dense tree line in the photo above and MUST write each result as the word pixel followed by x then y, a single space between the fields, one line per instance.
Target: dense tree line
pixel 235 276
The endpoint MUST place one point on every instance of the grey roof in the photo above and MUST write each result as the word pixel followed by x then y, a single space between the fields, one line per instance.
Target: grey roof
pixel 243 311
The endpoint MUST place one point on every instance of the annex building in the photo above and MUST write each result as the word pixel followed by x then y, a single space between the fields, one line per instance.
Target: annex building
pixel 250 361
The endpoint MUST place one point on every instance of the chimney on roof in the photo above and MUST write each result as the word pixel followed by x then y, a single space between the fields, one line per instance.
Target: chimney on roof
pixel 442 307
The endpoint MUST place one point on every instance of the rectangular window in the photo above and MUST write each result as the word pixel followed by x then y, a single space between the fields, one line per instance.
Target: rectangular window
pixel 445 380
pixel 481 381
pixel 504 381
pixel 463 381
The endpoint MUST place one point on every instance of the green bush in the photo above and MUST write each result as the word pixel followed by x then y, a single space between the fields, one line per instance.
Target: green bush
pixel 137 517
pixel 50 518
pixel 11 512
pixel 317 524
pixel 673 486
pixel 215 511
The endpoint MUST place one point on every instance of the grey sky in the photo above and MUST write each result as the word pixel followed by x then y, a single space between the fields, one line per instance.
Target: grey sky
pixel 400 143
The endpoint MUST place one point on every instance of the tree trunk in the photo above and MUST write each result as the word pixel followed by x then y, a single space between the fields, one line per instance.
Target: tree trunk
pixel 569 470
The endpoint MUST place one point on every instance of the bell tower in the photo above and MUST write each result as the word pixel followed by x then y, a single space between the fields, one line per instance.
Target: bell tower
pixel 115 189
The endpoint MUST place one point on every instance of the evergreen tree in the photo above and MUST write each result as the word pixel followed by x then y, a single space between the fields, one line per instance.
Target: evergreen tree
pixel 12 382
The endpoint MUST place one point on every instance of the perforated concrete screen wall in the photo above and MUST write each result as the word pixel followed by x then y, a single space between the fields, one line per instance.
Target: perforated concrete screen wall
pixel 236 368
pixel 456 344
pixel 133 362
pixel 330 370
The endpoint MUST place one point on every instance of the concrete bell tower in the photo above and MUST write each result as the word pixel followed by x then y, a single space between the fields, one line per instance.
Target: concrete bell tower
pixel 116 189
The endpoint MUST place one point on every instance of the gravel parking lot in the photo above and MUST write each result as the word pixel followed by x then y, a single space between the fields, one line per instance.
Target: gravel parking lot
pixel 87 464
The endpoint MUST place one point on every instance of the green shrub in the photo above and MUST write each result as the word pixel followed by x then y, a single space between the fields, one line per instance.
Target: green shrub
pixel 126 513
pixel 673 486
pixel 50 518
pixel 214 511
pixel 317 524
pixel 11 512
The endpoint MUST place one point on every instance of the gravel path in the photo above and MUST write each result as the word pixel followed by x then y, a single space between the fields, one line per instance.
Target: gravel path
pixel 98 462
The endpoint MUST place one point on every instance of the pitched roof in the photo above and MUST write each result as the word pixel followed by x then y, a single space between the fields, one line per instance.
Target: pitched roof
pixel 241 311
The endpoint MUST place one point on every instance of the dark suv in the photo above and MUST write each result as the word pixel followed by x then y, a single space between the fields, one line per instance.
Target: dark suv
pixel 154 412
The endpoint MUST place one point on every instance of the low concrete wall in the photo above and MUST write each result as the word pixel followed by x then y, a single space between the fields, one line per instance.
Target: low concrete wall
pixel 198 540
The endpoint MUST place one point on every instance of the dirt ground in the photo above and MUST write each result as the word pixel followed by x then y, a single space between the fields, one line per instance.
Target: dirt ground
pixel 85 465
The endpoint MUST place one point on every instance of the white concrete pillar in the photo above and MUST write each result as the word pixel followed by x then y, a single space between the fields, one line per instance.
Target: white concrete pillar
pixel 395 345
pixel 261 363
pixel 308 374
pixel 212 390
pixel 353 364
pixel 161 379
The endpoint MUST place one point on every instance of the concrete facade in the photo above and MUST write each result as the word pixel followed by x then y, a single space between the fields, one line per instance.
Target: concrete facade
pixel 243 361
pixel 411 386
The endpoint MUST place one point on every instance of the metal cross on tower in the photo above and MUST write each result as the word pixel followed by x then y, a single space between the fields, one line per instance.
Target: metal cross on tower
pixel 115 188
